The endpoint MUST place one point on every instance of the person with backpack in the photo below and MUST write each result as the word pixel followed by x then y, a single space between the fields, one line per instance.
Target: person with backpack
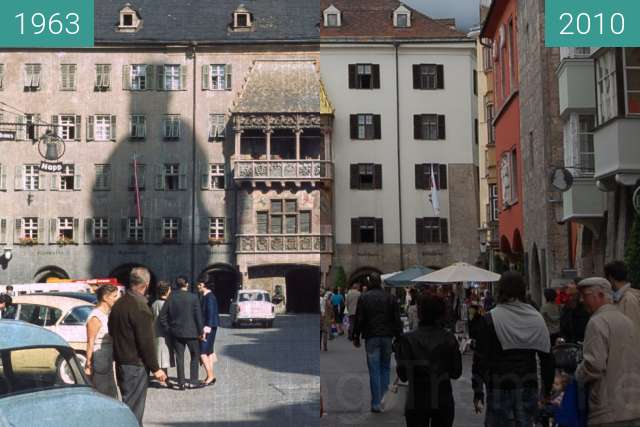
pixel 429 358
pixel 509 339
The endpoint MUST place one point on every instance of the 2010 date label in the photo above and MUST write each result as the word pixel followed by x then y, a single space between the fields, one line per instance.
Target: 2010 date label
pixel 47 24
pixel 592 23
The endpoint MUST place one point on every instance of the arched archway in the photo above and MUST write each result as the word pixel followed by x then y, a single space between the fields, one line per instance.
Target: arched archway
pixel 505 246
pixel 361 274
pixel 302 284
pixel 123 271
pixel 224 279
pixel 517 243
pixel 49 272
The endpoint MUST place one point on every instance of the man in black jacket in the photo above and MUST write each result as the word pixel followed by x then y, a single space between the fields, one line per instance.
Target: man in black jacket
pixel 508 341
pixel 378 322
pixel 429 358
pixel 131 330
pixel 181 315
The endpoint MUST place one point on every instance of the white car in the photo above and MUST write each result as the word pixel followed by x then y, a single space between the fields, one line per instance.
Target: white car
pixel 65 316
pixel 252 306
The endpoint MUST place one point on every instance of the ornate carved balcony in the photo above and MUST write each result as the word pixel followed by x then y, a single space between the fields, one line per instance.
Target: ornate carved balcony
pixel 283 243
pixel 283 171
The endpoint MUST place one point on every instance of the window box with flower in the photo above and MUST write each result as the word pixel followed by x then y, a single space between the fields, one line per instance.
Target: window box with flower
pixel 28 241
pixel 215 241
pixel 63 241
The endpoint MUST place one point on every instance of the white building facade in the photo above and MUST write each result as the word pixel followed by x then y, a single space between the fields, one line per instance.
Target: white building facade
pixel 404 93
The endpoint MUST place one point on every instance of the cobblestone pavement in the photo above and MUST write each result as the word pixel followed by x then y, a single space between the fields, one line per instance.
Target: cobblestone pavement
pixel 266 377
pixel 345 391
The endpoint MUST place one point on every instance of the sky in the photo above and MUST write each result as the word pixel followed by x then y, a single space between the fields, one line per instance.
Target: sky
pixel 466 12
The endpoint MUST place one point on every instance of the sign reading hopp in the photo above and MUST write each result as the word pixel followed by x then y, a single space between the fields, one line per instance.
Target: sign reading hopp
pixel 51 147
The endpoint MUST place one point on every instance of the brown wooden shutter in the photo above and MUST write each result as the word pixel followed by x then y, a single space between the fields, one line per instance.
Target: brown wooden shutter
pixel 444 231
pixel 419 230
pixel 354 177
pixel 353 126
pixel 352 76
pixel 440 76
pixel 379 231
pixel 416 76
pixel 416 127
pixel 375 76
pixel 441 127
pixel 355 230
pixel 420 181
pixel 377 177
pixel 377 131
pixel 442 175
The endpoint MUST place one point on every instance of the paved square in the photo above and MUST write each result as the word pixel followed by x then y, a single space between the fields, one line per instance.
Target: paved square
pixel 266 377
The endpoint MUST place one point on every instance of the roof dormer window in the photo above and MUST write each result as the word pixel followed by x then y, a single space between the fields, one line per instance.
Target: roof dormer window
pixel 241 18
pixel 332 17
pixel 129 20
pixel 402 17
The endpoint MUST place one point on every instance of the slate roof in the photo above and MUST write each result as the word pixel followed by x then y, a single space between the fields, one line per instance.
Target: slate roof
pixel 182 21
pixel 280 86
pixel 372 20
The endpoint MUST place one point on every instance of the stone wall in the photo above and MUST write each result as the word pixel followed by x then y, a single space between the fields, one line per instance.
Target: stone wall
pixel 541 145
pixel 463 243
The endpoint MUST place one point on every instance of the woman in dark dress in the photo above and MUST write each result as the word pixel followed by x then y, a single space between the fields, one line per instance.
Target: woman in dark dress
pixel 209 306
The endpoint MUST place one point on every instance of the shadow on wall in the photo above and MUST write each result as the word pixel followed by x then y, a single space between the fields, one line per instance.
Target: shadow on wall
pixel 174 182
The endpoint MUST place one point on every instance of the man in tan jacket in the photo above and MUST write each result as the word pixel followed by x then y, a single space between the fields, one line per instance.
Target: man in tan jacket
pixel 352 304
pixel 624 296
pixel 611 367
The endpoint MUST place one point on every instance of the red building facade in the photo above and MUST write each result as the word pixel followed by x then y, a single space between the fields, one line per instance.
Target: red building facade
pixel 500 28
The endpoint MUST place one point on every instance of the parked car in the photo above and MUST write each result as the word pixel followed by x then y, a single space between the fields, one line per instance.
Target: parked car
pixel 65 316
pixel 252 306
pixel 42 383
pixel 85 296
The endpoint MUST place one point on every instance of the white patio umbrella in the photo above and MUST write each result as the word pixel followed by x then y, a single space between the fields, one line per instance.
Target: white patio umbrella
pixel 459 272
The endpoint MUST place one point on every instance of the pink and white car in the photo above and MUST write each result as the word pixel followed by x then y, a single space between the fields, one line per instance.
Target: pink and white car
pixel 252 306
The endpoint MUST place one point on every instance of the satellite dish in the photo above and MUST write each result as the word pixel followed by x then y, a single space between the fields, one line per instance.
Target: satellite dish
pixel 561 179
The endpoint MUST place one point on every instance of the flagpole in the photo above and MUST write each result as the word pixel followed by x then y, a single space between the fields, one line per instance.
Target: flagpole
pixel 137 188
pixel 434 194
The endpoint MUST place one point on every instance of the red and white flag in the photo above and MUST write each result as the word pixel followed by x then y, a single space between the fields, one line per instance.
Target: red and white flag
pixel 434 194
pixel 137 189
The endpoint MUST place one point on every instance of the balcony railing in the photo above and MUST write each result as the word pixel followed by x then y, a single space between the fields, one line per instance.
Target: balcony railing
pixel 284 243
pixel 280 170
pixel 574 52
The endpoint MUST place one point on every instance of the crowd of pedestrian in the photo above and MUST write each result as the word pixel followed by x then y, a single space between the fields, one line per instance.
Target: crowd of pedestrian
pixel 141 339
pixel 515 374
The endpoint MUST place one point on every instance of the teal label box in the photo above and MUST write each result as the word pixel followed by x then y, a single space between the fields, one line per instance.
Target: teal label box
pixel 592 23
pixel 46 23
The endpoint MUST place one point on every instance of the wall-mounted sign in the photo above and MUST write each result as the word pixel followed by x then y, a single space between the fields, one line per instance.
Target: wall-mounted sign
pixel 51 147
pixel 561 179
pixel 636 200
pixel 7 135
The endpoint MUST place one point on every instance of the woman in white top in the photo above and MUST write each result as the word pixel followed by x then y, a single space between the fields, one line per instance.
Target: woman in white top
pixel 99 365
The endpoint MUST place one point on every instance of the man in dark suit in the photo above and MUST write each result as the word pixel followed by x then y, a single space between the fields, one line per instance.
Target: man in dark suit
pixel 181 315
pixel 131 330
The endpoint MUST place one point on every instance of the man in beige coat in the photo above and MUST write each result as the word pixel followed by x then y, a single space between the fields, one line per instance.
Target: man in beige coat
pixel 352 304
pixel 626 298
pixel 611 367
